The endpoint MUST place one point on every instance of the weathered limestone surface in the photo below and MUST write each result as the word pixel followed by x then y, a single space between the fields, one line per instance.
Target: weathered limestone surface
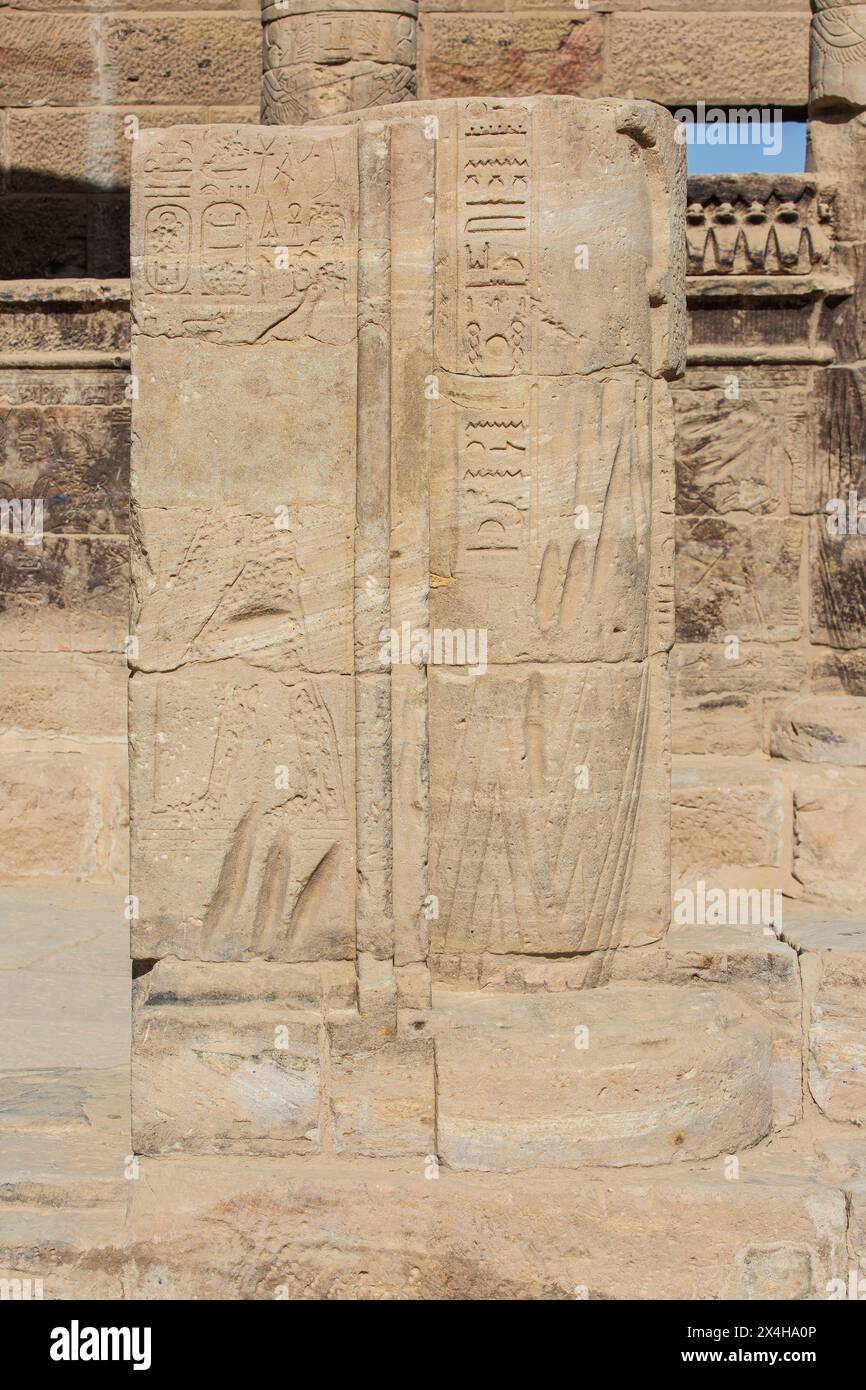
pixel 661 1076
pixel 438 428
pixel 815 730
pixel 832 951
pixel 837 1061
pixel 551 49
pixel 830 834
pixel 672 51
pixel 731 822
pixel 714 57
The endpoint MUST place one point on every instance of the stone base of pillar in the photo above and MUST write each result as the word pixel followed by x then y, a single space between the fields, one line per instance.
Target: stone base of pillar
pixel 226 1229
pixel 629 1073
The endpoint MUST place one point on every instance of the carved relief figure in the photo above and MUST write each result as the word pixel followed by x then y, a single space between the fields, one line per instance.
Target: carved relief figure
pixel 838 53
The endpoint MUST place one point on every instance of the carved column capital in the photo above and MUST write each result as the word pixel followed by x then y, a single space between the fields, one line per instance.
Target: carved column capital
pixel 324 57
pixel 837 63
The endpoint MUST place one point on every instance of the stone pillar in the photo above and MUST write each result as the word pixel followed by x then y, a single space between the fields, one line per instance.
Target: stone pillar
pixel 837 142
pixel 323 57
pixel 403 506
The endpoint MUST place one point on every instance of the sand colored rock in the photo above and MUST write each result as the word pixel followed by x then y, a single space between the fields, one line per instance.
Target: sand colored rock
pixel 830 834
pixel 618 1076
pixel 833 966
pixel 817 730
pixel 267 1229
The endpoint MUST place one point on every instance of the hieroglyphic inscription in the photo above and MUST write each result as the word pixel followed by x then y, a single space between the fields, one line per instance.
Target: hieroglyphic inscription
pixel 543 506
pixel 242 709
pixel 495 485
pixel 494 217
pixel 548 771
pixel 245 217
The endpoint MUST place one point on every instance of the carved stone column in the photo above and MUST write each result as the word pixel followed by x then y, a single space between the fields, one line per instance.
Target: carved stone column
pixel 837 141
pixel 403 593
pixel 323 57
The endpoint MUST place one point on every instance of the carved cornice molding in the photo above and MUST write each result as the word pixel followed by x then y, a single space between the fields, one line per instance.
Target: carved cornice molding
pixel 758 224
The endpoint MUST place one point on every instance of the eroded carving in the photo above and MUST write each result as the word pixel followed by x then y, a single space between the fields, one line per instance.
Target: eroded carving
pixel 838 54
pixel 319 62
pixel 263 229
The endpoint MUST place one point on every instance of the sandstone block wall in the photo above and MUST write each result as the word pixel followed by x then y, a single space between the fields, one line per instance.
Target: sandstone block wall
pixel 77 82
pixel 77 79
pixel 672 51
pixel 64 444
pixel 768 689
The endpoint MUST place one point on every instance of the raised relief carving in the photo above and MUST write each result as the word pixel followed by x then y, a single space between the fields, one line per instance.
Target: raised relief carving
pixel 838 53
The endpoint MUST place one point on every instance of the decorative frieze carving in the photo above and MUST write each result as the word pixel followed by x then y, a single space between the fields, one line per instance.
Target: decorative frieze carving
pixel 757 224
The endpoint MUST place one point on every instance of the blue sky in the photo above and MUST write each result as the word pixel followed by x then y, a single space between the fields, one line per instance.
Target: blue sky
pixel 751 158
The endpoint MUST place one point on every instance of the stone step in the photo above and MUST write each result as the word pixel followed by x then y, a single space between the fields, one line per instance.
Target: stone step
pixel 240 1228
